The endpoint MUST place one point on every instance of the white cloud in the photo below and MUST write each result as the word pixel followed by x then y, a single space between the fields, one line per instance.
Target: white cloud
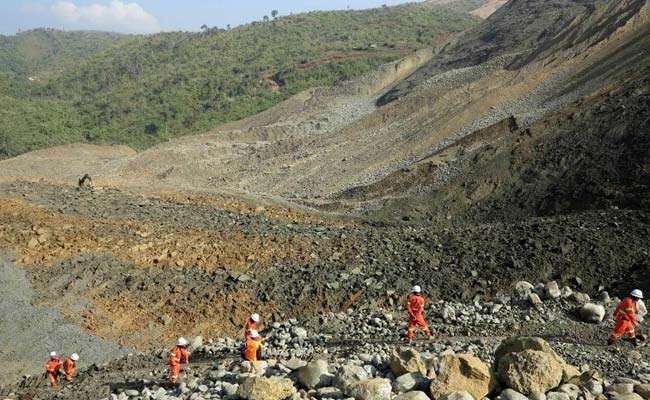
pixel 117 16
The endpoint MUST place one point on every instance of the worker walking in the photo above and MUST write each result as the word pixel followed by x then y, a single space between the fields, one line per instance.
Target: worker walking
pixel 254 350
pixel 52 368
pixel 251 324
pixel 179 353
pixel 415 306
pixel 625 315
pixel 69 366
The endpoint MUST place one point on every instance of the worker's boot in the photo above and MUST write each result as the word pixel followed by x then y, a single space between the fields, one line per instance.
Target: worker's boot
pixel 610 341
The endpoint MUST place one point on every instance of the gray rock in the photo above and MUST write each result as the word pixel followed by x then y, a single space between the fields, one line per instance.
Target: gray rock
pixel 196 342
pixel 314 375
pixel 404 360
pixel 534 299
pixel 643 390
pixel 329 393
pixel 627 396
pixel 457 396
pixel 523 289
pixel 620 388
pixel 594 387
pixel 557 396
pixel 510 394
pixel 408 382
pixel 592 313
pixel 571 390
pixel 552 291
pixel 347 375
pixel 416 395
pixel 537 396
pixel 294 363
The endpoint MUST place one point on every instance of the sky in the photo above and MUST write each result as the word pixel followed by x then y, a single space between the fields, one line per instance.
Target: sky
pixel 150 16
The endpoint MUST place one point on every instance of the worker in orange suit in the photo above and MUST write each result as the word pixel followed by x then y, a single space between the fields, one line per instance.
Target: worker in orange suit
pixel 251 324
pixel 254 349
pixel 179 354
pixel 69 365
pixel 625 315
pixel 415 306
pixel 52 368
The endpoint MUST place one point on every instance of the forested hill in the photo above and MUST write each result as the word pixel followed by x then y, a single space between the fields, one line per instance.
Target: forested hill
pixel 151 88
pixel 40 53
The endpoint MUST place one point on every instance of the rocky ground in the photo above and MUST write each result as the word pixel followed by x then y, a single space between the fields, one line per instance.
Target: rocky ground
pixel 363 356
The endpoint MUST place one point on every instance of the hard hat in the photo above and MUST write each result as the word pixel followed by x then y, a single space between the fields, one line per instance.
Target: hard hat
pixel 254 334
pixel 181 342
pixel 53 354
pixel 255 317
pixel 637 293
pixel 74 357
pixel 417 289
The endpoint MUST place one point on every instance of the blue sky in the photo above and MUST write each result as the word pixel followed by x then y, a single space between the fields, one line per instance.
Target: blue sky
pixel 148 16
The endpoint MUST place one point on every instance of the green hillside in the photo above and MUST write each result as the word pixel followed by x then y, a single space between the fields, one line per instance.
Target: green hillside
pixel 43 52
pixel 149 89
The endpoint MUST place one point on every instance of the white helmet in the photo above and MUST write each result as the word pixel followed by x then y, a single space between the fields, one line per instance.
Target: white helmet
pixel 53 354
pixel 254 334
pixel 255 317
pixel 417 289
pixel 637 293
pixel 74 357
pixel 181 342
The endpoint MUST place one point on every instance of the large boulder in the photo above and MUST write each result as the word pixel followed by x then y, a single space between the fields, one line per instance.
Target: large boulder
pixel 593 313
pixel 314 375
pixel 523 289
pixel 404 360
pixel 529 371
pixel 371 389
pixel 462 372
pixel 258 388
pixel 347 375
pixel 516 344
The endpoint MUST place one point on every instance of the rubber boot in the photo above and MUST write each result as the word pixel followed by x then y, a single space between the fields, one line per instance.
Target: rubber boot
pixel 610 341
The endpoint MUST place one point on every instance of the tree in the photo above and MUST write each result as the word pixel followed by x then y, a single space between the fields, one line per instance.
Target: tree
pixel 274 14
pixel 265 18
pixel 204 27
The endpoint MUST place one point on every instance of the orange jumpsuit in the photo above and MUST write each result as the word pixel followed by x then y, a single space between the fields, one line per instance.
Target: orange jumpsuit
pixel 52 368
pixel 625 315
pixel 252 348
pixel 250 325
pixel 68 368
pixel 415 306
pixel 178 354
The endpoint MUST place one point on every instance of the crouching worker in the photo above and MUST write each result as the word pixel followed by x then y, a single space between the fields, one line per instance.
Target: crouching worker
pixel 254 351
pixel 69 365
pixel 52 368
pixel 179 353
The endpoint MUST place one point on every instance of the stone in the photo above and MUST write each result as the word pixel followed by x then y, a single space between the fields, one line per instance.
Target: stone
pixel 627 396
pixel 408 382
pixel 592 313
pixel 404 360
pixel 132 393
pixel 580 298
pixel 347 375
pixel 416 395
pixel 603 297
pixel 260 388
pixel 519 343
pixel 371 389
pixel 643 390
pixel 314 374
pixel 552 291
pixel 32 243
pixel 620 388
pixel 523 289
pixel 557 396
pixel 537 396
pixel 196 342
pixel 510 394
pixel 594 387
pixel 294 363
pixel 462 372
pixel 529 371
pixel 462 395
pixel 534 299
pixel 571 390
pixel 329 393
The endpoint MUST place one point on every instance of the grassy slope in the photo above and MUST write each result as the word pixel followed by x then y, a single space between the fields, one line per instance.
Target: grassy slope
pixel 149 89
pixel 44 52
